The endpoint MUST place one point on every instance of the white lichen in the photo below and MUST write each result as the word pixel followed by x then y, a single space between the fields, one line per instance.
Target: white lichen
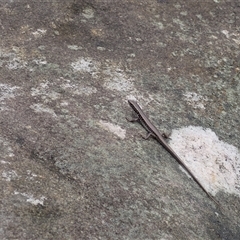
pixel 215 163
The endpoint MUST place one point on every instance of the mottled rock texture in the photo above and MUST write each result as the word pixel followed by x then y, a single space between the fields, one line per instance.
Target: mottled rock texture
pixel 66 70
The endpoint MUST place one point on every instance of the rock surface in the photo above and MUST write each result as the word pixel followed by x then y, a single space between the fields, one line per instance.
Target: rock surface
pixel 72 167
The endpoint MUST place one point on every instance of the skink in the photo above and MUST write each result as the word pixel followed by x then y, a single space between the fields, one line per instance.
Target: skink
pixel 152 131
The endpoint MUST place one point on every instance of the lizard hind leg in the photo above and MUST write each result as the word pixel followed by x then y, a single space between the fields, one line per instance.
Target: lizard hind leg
pixel 166 136
pixel 147 136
